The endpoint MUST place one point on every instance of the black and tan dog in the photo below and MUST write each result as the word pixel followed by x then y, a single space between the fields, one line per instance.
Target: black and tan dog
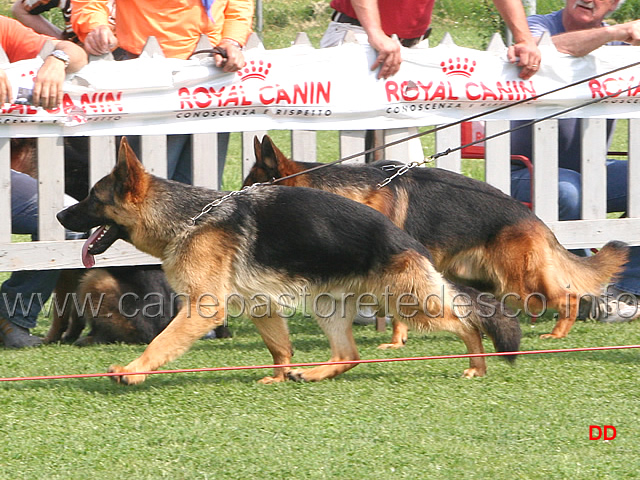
pixel 476 234
pixel 119 304
pixel 290 246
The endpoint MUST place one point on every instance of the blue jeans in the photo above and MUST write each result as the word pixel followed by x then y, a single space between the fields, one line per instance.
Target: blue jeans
pixel 23 294
pixel 569 200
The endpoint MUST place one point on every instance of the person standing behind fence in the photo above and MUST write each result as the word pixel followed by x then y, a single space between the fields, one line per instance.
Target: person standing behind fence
pixel 410 20
pixel 577 30
pixel 374 21
pixel 29 13
pixel 177 25
pixel 21 43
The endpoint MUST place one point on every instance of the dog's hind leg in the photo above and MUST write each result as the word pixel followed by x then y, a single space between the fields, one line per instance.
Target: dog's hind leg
pixel 471 337
pixel 567 314
pixel 275 333
pixel 399 336
pixel 473 340
pixel 191 323
pixel 65 288
pixel 337 328
pixel 76 326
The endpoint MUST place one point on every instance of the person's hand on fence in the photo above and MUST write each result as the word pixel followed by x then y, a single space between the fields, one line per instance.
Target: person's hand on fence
pixel 235 58
pixel 100 40
pixel 5 88
pixel 48 84
pixel 631 32
pixel 528 57
pixel 389 56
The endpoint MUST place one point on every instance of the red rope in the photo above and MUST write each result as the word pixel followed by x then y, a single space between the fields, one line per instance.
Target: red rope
pixel 315 364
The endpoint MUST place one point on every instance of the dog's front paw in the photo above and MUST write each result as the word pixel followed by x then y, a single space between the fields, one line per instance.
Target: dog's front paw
pixel 386 346
pixel 125 379
pixel 297 375
pixel 268 380
pixel 551 335
pixel 473 372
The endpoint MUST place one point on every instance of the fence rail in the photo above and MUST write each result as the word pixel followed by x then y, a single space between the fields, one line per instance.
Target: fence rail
pixel 53 252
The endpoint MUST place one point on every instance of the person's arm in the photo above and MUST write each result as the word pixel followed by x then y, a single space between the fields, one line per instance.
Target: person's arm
pixel 34 21
pixel 90 21
pixel 525 49
pixel 389 56
pixel 238 17
pixel 48 83
pixel 582 42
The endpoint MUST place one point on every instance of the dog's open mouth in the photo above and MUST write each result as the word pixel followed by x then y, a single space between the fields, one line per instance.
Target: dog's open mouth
pixel 98 242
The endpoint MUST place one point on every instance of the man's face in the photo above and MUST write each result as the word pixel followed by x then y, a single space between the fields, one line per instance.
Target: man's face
pixel 581 14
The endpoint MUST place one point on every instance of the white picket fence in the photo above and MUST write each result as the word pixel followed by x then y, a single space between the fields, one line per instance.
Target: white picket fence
pixel 53 252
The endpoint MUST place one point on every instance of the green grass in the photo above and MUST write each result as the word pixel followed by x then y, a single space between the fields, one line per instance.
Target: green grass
pixel 394 420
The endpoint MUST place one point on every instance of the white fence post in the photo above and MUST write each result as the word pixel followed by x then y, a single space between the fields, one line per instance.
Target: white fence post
pixel 50 187
pixel 545 171
pixel 5 189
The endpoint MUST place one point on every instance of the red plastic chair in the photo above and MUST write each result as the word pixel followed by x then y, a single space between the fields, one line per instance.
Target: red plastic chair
pixel 472 131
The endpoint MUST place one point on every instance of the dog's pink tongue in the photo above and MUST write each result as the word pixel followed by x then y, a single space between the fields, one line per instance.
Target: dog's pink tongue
pixel 88 260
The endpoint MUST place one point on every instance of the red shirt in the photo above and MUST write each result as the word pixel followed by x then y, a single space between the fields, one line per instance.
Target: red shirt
pixel 405 18
pixel 20 42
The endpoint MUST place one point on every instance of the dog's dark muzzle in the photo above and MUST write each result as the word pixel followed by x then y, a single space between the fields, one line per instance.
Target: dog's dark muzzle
pixel 77 219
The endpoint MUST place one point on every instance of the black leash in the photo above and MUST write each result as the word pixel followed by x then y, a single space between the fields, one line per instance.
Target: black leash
pixel 403 169
pixel 474 117
pixel 214 51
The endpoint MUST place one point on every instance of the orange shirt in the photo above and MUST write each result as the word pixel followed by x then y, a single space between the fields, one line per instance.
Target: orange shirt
pixel 176 24
pixel 20 42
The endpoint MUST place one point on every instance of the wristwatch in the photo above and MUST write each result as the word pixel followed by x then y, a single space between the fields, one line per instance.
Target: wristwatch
pixel 62 56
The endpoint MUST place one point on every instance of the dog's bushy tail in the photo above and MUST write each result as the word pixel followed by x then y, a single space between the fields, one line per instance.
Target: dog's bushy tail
pixel 589 275
pixel 609 260
pixel 494 319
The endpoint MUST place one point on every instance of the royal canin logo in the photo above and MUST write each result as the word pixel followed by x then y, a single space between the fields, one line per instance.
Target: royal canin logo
pixel 255 69
pixel 458 66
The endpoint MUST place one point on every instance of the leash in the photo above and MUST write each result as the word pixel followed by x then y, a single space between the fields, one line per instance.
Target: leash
pixel 405 168
pixel 209 206
pixel 214 51
pixel 315 364
pixel 466 119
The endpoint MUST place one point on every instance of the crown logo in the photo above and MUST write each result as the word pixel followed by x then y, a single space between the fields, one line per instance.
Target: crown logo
pixel 458 66
pixel 254 69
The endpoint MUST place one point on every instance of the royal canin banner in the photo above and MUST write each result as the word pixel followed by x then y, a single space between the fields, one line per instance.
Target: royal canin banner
pixel 321 89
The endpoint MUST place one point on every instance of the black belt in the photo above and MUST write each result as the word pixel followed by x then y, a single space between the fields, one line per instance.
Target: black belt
pixel 406 42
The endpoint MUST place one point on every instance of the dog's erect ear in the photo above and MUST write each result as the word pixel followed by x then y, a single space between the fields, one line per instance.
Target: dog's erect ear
pixel 271 155
pixel 257 150
pixel 132 179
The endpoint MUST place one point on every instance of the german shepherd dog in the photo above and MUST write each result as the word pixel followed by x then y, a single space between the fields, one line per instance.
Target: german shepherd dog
pixel 120 304
pixel 477 235
pixel 135 303
pixel 280 243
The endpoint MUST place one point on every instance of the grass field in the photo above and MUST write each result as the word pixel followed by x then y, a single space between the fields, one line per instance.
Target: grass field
pixel 409 420
pixel 398 420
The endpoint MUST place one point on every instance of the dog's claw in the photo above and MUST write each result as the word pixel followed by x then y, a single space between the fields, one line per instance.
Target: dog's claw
pixel 271 380
pixel 296 376
pixel 550 335
pixel 116 378
pixel 473 372
pixel 125 379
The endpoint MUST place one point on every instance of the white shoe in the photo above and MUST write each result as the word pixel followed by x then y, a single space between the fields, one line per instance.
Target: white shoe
pixel 615 307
